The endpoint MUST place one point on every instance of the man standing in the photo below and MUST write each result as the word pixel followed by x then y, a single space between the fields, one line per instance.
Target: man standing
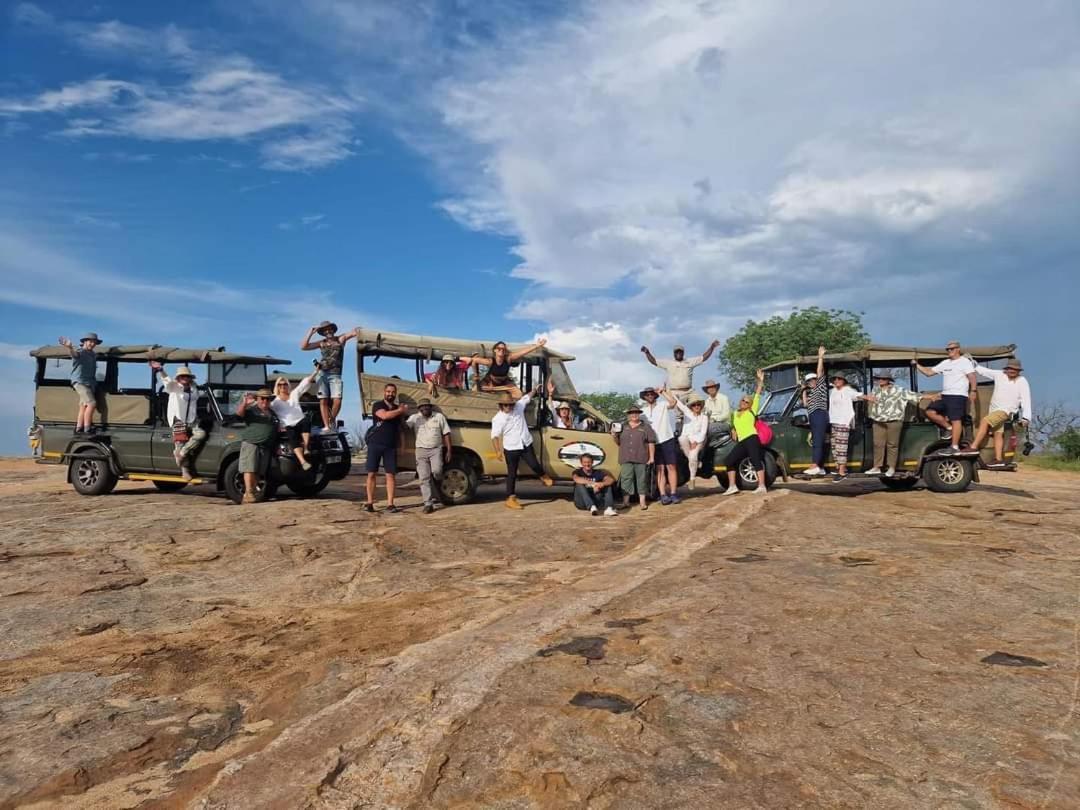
pixel 958 387
pixel 887 415
pixel 680 371
pixel 387 416
pixel 592 488
pixel 1012 395
pixel 84 379
pixel 512 440
pixel 332 347
pixel 659 416
pixel 637 448
pixel 432 449
pixel 182 415
pixel 257 439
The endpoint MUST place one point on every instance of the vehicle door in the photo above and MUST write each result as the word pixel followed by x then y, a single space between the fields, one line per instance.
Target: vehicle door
pixel 561 448
pixel 127 410
pixel 784 412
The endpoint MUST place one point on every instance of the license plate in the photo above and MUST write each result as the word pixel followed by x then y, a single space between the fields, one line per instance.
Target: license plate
pixel 333 459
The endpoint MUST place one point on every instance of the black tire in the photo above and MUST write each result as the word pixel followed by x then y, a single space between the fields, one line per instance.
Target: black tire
pixel 170 486
pixel 746 479
pixel 948 474
pixel 234 484
pixel 899 484
pixel 310 490
pixel 91 475
pixel 459 481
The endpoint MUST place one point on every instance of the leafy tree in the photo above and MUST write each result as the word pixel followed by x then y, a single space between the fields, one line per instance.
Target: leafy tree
pixel 611 403
pixel 761 343
pixel 1053 419
pixel 1069 442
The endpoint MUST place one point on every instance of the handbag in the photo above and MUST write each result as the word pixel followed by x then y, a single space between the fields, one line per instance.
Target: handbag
pixel 764 431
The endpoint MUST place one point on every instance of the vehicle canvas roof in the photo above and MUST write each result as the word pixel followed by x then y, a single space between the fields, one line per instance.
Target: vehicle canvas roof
pixel 400 344
pixel 880 354
pixel 165 354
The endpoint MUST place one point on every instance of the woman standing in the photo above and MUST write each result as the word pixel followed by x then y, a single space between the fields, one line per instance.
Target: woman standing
pixel 815 398
pixel 842 399
pixel 744 431
pixel 498 376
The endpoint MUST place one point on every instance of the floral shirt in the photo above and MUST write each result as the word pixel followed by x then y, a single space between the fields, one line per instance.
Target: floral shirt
pixel 890 403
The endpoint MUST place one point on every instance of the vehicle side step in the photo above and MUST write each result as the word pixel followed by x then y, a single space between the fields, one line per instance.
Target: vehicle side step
pixel 173 478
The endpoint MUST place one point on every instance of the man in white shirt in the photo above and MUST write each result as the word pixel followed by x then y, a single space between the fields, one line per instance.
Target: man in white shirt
pixel 958 388
pixel 511 438
pixel 1012 394
pixel 182 415
pixel 432 449
pixel 680 369
pixel 717 408
pixel 658 414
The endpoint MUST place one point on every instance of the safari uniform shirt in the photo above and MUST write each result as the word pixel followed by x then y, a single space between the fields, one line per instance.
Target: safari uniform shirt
pixel 1009 396
pixel 718 408
pixel 429 430
pixel 183 404
pixel 634 443
pixel 511 426
pixel 680 373
pixel 889 403
pixel 662 420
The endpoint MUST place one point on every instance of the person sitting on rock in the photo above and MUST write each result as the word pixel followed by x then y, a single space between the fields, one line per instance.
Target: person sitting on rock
pixel 593 488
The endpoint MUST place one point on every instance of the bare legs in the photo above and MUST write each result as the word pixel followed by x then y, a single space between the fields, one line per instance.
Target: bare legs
pixel 391 486
pixel 329 410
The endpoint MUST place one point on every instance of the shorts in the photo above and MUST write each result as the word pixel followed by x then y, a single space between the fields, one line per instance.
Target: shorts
pixel 667 452
pixel 634 478
pixel 295 433
pixel 330 385
pixel 254 458
pixel 387 455
pixel 996 420
pixel 952 406
pixel 86 393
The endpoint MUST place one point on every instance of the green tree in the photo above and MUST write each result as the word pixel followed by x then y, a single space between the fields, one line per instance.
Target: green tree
pixel 1069 442
pixel 611 403
pixel 761 343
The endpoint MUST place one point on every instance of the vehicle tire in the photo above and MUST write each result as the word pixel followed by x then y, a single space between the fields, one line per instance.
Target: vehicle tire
pixel 310 490
pixel 899 484
pixel 948 474
pixel 746 479
pixel 234 484
pixel 91 476
pixel 170 486
pixel 459 481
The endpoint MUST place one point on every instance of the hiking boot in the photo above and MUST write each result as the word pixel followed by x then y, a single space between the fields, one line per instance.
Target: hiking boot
pixel 513 503
pixel 547 480
pixel 249 497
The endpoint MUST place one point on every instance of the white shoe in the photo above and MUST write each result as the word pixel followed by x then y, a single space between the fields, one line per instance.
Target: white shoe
pixel 874 471
pixel 609 512
pixel 731 491
pixel 592 510
pixel 889 473
pixel 760 491
pixel 692 483
pixel 814 471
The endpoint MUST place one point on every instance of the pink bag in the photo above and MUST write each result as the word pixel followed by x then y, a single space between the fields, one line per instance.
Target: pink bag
pixel 764 432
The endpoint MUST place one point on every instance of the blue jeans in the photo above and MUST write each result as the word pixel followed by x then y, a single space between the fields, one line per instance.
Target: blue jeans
pixel 586 497
pixel 330 385
pixel 819 429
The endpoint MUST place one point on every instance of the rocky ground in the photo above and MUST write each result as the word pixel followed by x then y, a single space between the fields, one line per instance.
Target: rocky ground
pixel 824 646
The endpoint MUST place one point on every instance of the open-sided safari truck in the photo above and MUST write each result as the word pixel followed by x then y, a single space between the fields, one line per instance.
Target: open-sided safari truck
pixel 921 441
pixel 135 441
pixel 469 411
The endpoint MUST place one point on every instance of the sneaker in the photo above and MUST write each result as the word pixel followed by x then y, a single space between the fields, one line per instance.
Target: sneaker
pixel 609 512
pixel 77 432
pixel 674 499
pixel 547 480
pixel 665 500
pixel 305 465
pixel 949 451
pixel 428 509
pixel 593 511
pixel 839 477
pixel 889 473
pixel 393 510
pixel 816 472
pixel 731 491
pixel 369 507
pixel 249 497
pixel 513 503
pixel 644 507
pixel 760 491
pixel 874 471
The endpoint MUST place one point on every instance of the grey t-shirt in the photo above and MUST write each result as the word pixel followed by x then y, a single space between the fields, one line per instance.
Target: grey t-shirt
pixel 84 367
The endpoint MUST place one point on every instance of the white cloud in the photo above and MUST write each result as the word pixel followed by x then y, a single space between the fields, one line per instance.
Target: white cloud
pixel 308 222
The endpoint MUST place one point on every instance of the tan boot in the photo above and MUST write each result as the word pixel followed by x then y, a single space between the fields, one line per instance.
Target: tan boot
pixel 249 497
pixel 513 503
pixel 546 480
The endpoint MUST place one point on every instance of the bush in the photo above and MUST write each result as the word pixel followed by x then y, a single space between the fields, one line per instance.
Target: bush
pixel 1069 442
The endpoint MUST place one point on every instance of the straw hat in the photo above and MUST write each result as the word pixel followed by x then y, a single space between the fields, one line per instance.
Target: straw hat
pixel 507 399
pixel 184 371
pixel 634 409
pixel 561 405
pixel 264 393
pixel 694 399
pixel 420 403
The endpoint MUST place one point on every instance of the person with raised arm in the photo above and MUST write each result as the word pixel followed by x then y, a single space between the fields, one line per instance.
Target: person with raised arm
pixel 296 423
pixel 84 378
pixel 680 369
pixel 510 437
pixel 1012 396
pixel 387 416
pixel 256 440
pixel 330 387
pixel 658 414
pixel 747 443
pixel 695 429
pixel 815 398
pixel 498 366
pixel 958 388
pixel 182 415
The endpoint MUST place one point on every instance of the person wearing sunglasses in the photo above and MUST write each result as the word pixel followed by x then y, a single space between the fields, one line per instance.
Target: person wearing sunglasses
pixel 958 388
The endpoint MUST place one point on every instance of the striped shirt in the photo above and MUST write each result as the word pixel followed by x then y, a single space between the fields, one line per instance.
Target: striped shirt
pixel 817 398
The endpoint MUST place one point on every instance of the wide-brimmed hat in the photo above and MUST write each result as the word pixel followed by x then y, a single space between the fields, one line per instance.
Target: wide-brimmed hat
pixel 322 327
pixel 422 402
pixel 449 357
pixel 507 399
pixel 811 376
pixel 184 371
pixel 264 393
pixel 560 405
pixel 634 409
pixel 710 384
pixel 837 375
pixel 649 390
pixel 884 374
pixel 1014 362
pixel 694 399
pixel 91 336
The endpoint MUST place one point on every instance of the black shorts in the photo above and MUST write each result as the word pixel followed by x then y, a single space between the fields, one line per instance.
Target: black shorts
pixel 296 432
pixel 668 452
pixel 952 406
pixel 386 455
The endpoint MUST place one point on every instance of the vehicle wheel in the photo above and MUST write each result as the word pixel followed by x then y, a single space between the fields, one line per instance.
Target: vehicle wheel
pixel 92 476
pixel 234 484
pixel 459 481
pixel 170 486
pixel 310 490
pixel 899 484
pixel 746 479
pixel 948 474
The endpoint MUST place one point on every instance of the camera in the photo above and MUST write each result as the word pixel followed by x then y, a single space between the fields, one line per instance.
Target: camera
pixel 1028 447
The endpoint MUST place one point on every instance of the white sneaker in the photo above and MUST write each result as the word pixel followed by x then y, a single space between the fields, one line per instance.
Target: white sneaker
pixel 814 471
pixel 760 491
pixel 609 512
pixel 592 510
pixel 731 491
pixel 889 473
pixel 874 471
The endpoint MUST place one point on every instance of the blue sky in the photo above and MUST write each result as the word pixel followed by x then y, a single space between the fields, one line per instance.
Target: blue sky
pixel 606 173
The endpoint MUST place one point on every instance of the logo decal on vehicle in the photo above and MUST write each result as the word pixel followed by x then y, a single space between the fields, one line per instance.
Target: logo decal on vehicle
pixel 571 453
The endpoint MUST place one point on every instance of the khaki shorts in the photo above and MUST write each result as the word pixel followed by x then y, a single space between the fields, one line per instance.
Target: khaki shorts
pixel 997 420
pixel 86 394
pixel 253 458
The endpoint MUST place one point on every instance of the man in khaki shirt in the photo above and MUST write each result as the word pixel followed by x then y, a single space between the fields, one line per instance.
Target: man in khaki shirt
pixel 433 448
pixel 680 369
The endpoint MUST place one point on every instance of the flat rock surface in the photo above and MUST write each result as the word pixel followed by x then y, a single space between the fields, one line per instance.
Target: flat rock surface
pixel 823 646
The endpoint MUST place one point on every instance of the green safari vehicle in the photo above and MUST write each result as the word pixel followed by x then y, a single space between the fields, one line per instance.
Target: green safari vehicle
pixel 921 441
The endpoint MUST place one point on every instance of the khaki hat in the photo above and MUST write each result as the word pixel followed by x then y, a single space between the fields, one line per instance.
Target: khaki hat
pixel 837 375
pixel 1014 362
pixel 634 409
pixel 884 374
pixel 449 357
pixel 649 390
pixel 507 399
pixel 322 327
pixel 264 393
pixel 420 403
pixel 560 405
pixel 91 336
pixel 694 399
pixel 184 371
pixel 710 384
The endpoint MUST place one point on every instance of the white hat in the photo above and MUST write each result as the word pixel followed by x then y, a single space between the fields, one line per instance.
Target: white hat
pixel 809 377
pixel 560 405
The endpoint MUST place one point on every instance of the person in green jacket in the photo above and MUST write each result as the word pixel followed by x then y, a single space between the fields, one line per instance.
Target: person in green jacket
pixel 748 445
pixel 257 439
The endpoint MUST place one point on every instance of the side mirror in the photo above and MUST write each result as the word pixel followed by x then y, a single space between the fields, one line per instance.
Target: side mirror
pixel 800 420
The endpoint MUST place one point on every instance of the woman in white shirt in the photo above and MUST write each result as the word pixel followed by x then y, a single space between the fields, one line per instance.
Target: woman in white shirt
pixel 297 424
pixel 842 399
pixel 695 429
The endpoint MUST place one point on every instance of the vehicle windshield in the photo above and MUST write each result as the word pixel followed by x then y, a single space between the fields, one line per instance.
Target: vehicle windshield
pixel 776 403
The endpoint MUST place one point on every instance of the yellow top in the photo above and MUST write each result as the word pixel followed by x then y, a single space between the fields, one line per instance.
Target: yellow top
pixel 743 421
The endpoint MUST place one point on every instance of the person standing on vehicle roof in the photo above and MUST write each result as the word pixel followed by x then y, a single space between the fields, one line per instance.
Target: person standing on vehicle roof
pixel 695 429
pixel 297 424
pixel 432 449
pixel 498 376
pixel 842 399
pixel 959 387
pixel 84 379
pixel 512 440
pixel 748 445
pixel 680 371
pixel 331 389
pixel 387 416
pixel 658 414
pixel 256 440
pixel 887 415
pixel 593 488
pixel 815 398
pixel 1012 395
pixel 182 414
pixel 637 448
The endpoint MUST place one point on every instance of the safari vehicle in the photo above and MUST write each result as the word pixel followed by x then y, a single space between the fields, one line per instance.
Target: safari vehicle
pixel 134 440
pixel 921 441
pixel 469 412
